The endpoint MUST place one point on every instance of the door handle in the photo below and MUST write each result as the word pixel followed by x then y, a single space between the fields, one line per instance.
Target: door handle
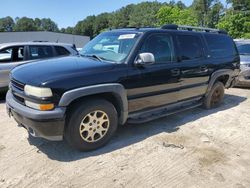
pixel 204 68
pixel 175 72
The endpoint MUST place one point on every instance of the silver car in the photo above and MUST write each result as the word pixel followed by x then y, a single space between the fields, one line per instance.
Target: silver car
pixel 243 46
pixel 13 54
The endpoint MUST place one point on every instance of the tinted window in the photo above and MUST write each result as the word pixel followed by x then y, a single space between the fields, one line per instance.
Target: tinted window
pixel 12 54
pixel 190 46
pixel 244 49
pixel 39 52
pixel 220 45
pixel 61 51
pixel 161 46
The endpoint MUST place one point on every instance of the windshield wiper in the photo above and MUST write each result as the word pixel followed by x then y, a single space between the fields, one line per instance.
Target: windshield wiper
pixel 93 56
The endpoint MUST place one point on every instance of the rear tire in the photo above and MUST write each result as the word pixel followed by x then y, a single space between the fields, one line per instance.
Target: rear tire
pixel 91 124
pixel 215 96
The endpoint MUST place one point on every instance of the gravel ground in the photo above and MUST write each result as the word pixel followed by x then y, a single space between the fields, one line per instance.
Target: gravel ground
pixel 196 148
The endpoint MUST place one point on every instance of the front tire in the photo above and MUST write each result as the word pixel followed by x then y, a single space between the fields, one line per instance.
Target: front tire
pixel 91 124
pixel 215 96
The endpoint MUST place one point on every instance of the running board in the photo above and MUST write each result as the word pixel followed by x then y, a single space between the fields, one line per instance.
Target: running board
pixel 156 114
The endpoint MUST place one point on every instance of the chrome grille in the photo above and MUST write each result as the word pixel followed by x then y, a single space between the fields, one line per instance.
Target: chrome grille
pixel 17 85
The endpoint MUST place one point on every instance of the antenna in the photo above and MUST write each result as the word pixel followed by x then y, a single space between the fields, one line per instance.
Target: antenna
pixel 74 41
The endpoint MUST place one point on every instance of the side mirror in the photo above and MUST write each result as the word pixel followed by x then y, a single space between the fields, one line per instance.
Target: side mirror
pixel 144 59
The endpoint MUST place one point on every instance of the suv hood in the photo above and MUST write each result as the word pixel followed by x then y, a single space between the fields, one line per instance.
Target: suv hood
pixel 39 72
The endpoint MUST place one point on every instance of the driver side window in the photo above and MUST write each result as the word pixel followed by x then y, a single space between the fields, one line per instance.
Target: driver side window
pixel 161 46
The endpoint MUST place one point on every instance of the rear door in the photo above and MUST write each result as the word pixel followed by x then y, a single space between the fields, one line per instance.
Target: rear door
pixel 195 66
pixel 9 58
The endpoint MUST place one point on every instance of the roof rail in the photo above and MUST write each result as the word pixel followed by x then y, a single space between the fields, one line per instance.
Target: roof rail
pixel 192 28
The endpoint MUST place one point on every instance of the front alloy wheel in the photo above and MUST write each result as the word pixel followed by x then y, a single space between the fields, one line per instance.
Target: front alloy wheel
pixel 94 126
pixel 91 124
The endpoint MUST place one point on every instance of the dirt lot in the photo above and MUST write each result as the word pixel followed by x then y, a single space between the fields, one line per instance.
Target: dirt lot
pixel 197 148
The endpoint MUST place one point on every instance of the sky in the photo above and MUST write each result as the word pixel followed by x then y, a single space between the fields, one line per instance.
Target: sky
pixel 64 12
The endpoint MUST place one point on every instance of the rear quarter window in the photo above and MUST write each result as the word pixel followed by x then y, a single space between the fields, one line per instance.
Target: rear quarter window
pixel 220 45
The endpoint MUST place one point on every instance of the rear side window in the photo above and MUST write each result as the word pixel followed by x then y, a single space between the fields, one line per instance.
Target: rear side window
pixel 190 46
pixel 60 51
pixel 40 52
pixel 220 45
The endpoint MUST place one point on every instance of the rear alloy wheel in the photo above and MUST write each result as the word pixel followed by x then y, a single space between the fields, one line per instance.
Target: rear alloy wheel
pixel 91 124
pixel 215 96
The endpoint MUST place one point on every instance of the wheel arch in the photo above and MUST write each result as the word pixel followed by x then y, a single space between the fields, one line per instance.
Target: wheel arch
pixel 114 93
pixel 223 75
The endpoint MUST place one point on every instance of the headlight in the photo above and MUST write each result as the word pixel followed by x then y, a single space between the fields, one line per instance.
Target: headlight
pixel 37 91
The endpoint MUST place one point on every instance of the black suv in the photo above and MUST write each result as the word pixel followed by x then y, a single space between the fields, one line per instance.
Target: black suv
pixel 129 75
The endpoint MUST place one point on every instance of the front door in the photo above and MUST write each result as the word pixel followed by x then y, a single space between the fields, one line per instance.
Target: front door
pixel 154 85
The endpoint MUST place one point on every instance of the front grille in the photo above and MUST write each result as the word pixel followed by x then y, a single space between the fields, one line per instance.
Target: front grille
pixel 17 85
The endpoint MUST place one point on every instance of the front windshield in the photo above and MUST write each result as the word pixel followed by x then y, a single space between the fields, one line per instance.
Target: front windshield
pixel 111 46
pixel 244 49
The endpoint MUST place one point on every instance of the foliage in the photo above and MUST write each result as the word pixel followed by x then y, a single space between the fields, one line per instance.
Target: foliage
pixel 25 24
pixel 207 13
pixel 174 15
pixel 6 24
pixel 144 14
pixel 46 24
pixel 237 24
pixel 240 5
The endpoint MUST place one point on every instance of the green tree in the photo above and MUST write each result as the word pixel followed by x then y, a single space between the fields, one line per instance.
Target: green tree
pixel 85 27
pixel 101 22
pixel 68 30
pixel 240 5
pixel 48 25
pixel 120 18
pixel 237 24
pixel 45 24
pixel 175 15
pixel 25 24
pixel 37 23
pixel 181 5
pixel 201 9
pixel 144 14
pixel 6 24
pixel 214 13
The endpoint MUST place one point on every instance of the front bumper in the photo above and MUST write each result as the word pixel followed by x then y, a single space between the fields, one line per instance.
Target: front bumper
pixel 44 124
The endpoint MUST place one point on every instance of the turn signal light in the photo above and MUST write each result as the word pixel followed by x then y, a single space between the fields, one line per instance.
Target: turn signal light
pixel 45 107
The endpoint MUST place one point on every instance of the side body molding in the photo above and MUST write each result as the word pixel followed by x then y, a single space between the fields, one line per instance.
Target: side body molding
pixel 116 89
pixel 217 74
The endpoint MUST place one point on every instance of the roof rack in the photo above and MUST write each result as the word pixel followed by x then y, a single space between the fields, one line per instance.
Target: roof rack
pixel 192 28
